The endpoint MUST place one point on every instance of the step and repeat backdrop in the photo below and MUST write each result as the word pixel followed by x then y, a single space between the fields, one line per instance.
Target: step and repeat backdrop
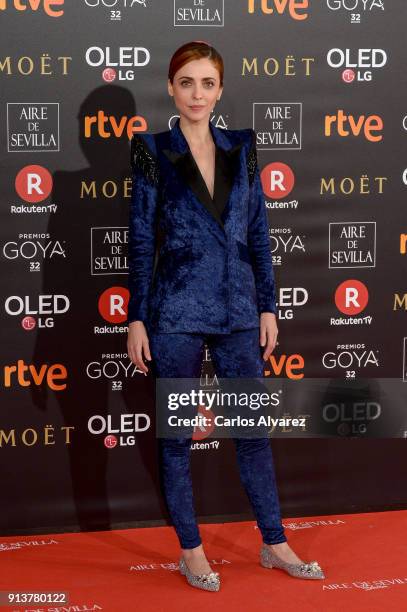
pixel 322 82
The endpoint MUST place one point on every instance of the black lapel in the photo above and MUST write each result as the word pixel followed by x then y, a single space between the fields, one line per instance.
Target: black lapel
pixel 226 169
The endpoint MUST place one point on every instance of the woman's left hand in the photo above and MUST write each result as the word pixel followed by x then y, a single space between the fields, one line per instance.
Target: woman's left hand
pixel 268 333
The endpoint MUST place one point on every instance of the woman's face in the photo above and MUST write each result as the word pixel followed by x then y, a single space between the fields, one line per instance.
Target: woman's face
pixel 196 88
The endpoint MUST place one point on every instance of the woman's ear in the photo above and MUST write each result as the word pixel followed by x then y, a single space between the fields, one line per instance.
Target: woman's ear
pixel 170 89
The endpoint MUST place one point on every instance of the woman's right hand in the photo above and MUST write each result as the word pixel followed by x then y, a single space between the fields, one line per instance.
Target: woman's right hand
pixel 137 344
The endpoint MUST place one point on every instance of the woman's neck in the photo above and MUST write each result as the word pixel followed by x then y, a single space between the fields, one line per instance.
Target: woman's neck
pixel 196 133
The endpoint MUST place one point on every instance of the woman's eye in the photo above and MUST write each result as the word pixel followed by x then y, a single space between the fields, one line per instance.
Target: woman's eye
pixel 210 83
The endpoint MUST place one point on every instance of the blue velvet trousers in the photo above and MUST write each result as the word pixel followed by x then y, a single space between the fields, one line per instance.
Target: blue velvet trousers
pixel 233 355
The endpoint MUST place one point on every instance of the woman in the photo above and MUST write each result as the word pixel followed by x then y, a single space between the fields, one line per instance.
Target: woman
pixel 197 192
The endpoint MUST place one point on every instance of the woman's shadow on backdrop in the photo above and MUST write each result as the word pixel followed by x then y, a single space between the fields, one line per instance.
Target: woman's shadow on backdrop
pixel 73 343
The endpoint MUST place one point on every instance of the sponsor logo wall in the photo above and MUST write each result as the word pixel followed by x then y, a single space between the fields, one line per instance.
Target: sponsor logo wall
pixel 322 83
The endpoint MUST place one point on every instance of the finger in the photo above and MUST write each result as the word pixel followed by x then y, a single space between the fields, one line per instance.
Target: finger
pixel 265 352
pixel 263 336
pixel 147 350
pixel 130 353
pixel 139 360
pixel 270 345
pixel 270 348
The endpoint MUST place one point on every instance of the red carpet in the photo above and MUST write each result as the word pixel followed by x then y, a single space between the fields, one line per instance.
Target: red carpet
pixel 363 556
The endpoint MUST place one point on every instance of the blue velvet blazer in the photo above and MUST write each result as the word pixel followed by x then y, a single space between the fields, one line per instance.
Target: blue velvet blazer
pixel 198 264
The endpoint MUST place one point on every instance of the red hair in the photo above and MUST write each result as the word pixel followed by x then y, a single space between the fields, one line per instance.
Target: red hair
pixel 196 49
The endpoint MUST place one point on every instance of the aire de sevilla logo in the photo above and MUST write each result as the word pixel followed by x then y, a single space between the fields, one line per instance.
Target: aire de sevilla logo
pixel 277 180
pixel 33 183
pixel 351 297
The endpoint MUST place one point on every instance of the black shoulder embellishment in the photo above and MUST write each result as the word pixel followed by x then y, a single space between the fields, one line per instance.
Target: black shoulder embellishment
pixel 142 157
pixel 252 158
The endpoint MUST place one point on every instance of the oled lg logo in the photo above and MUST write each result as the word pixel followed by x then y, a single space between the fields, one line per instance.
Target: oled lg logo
pixel 119 430
pixel 356 65
pixel 118 63
pixel 36 312
pixel 351 418
pixel 290 298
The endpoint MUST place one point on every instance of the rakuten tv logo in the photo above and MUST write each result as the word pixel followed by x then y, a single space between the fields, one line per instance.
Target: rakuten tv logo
pixel 270 7
pixel 33 183
pixel 403 244
pixel 347 125
pixel 48 6
pixel 351 297
pixel 277 180
pixel 113 304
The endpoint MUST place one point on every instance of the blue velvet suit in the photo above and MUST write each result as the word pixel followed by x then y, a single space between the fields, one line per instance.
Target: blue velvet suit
pixel 200 272
pixel 211 259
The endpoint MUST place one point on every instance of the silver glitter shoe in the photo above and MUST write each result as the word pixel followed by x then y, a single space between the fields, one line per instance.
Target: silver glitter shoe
pixel 269 559
pixel 208 582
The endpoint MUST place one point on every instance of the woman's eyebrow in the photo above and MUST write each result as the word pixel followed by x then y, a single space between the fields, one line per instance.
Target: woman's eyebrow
pixel 191 78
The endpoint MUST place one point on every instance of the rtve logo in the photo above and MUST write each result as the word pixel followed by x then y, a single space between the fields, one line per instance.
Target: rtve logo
pixel 348 125
pixel 109 126
pixel 268 7
pixel 403 244
pixel 286 366
pixel 34 5
pixel 24 375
